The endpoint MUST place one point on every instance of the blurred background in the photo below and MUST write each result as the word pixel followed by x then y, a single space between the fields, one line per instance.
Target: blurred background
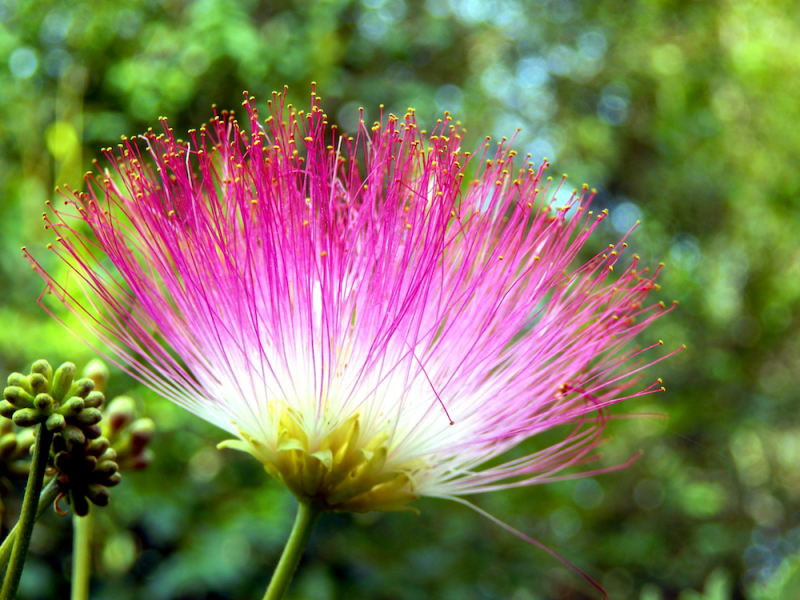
pixel 682 114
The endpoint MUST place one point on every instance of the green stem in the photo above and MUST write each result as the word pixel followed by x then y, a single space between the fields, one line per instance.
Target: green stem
pixel 81 556
pixel 27 517
pixel 49 495
pixel 307 516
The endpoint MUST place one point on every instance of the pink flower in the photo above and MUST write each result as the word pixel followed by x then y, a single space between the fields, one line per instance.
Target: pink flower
pixel 365 323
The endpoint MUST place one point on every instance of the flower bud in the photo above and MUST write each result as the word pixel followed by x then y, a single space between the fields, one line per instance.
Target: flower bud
pixel 59 444
pixel 27 417
pixel 92 431
pixel 74 435
pixel 120 413
pixel 38 384
pixel 109 454
pixel 88 416
pixel 19 380
pixel 142 431
pixel 81 388
pixel 98 494
pixel 79 504
pixel 72 407
pixel 7 409
pixel 94 400
pixel 97 447
pixel 98 372
pixel 43 368
pixel 18 397
pixel 62 381
pixel 63 461
pixel 106 468
pixel 43 403
pixel 56 422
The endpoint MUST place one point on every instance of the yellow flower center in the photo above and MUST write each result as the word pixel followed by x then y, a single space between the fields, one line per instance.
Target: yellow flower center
pixel 346 471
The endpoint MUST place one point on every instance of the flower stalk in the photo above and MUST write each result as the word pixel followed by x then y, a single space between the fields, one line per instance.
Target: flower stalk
pixel 308 513
pixel 81 556
pixel 27 519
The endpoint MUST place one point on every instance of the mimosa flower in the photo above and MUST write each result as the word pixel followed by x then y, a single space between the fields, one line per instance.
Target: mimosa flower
pixel 373 318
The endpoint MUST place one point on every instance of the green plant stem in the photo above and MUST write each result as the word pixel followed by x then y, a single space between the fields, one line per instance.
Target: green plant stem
pixel 49 495
pixel 81 555
pixel 27 517
pixel 308 514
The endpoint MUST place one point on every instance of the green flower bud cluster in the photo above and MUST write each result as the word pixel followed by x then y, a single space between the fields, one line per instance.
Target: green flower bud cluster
pixel 128 435
pixel 85 472
pixel 64 405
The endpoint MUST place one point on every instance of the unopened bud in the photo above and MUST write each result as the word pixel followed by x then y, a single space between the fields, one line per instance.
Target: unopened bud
pixel 62 381
pixel 56 422
pixel 114 479
pixel 7 409
pixel 98 372
pixel 38 383
pixel 88 416
pixel 109 454
pixel 98 494
pixel 18 397
pixel 27 417
pixel 81 388
pixel 92 431
pixel 43 403
pixel 59 444
pixel 79 504
pixel 120 413
pixel 94 400
pixel 74 435
pixel 97 447
pixel 62 461
pixel 43 368
pixel 141 432
pixel 19 380
pixel 106 468
pixel 72 407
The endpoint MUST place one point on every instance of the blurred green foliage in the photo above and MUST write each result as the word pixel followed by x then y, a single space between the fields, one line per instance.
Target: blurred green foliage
pixel 682 114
